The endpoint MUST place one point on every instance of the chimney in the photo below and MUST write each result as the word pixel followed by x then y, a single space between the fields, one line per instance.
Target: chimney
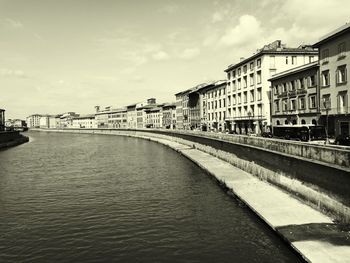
pixel 97 108
pixel 241 59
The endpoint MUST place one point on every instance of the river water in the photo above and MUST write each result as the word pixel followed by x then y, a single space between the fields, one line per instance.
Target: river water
pixel 100 198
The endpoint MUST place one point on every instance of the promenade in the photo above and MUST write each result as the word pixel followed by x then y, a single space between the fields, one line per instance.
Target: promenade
pixel 312 234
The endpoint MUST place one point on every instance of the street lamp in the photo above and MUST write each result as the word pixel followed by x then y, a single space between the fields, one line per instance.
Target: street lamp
pixel 249 113
pixel 327 106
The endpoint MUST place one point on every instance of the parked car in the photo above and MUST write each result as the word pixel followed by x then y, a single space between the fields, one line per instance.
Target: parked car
pixel 343 139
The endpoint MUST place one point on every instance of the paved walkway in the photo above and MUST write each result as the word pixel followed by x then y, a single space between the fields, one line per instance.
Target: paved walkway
pixel 311 233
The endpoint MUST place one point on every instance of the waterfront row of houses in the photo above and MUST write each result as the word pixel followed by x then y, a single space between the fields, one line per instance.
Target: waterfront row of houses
pixel 277 85
pixel 146 114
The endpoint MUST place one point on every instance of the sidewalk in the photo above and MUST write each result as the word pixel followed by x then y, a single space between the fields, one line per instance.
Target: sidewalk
pixel 311 233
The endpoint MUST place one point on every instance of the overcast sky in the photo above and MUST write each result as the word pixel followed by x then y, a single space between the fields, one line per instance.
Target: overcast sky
pixel 58 56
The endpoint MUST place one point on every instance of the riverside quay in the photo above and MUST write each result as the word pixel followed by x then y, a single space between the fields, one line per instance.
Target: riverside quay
pixel 174 131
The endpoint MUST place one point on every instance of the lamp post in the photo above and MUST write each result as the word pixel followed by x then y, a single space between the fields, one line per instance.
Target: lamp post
pixel 327 106
pixel 249 113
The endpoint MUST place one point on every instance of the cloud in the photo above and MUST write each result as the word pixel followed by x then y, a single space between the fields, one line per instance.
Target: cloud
pixel 169 9
pixel 217 17
pixel 248 30
pixel 12 73
pixel 190 53
pixel 160 55
pixel 11 23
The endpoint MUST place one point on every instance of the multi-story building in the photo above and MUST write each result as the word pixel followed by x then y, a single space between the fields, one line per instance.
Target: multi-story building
pixel 33 121
pixel 154 117
pixel 214 104
pixel 85 121
pixel 141 112
pixel 179 113
pixel 2 119
pixel 66 119
pixel 248 96
pixel 118 118
pixel 294 96
pixel 54 121
pixel 169 116
pixel 334 88
pixel 44 121
pixel 131 116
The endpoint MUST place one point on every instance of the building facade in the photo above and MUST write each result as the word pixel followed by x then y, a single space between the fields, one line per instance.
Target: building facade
pixel 84 122
pixel 295 96
pixel 334 87
pixel 169 116
pixel 248 86
pixel 33 121
pixel 179 114
pixel 214 104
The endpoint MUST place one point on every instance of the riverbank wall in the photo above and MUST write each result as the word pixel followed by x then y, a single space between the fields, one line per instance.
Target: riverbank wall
pixel 321 185
pixel 11 138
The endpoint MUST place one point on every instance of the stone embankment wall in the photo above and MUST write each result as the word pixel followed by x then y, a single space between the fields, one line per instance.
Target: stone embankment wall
pixel 11 138
pixel 321 184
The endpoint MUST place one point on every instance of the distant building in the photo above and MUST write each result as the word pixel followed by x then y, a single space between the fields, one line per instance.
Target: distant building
pixel 141 113
pixel 66 119
pixel 294 96
pixel 84 121
pixel 54 121
pixel 179 113
pixel 2 119
pixel 169 116
pixel 154 117
pixel 215 104
pixel 248 88
pixel 44 121
pixel 111 118
pixel 334 88
pixel 131 116
pixel 33 121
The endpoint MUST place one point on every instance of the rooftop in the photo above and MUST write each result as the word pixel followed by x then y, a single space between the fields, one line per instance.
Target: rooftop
pixel 335 33
pixel 294 70
pixel 276 47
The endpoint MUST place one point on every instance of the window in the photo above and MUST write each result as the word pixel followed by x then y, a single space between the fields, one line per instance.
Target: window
pixel 245 97
pixel 342 102
pixel 259 93
pixel 223 102
pixel 251 95
pixel 275 90
pixel 294 60
pixel 251 65
pixel 234 100
pixel 293 104
pixel 259 110
pixel 325 78
pixel 239 84
pixel 311 59
pixel 341 74
pixel 325 55
pixel 233 85
pixel 258 63
pixel 302 103
pixel 239 98
pixel 239 72
pixel 228 75
pixel 233 74
pixel 277 105
pixel 286 60
pixel 258 77
pixel 301 83
pixel 341 50
pixel 251 79
pixel 292 85
pixel 311 81
pixel 244 82
pixel 284 87
pixel 285 105
pixel 312 101
pixel 228 100
pixel 326 101
pixel 245 69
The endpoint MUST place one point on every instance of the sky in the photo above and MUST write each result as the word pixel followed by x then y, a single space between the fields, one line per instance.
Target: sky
pixel 58 55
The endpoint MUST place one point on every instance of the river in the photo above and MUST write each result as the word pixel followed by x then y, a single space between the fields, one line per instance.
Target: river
pixel 99 198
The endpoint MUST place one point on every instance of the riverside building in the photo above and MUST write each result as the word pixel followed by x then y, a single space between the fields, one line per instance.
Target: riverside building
pixel 294 96
pixel 334 87
pixel 214 106
pixel 84 121
pixel 169 116
pixel 248 86
pixel 33 121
